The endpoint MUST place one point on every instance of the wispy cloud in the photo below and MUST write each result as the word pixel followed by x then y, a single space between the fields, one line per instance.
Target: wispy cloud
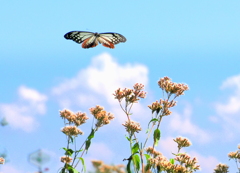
pixel 21 114
pixel 228 111
pixel 95 84
pixel 207 163
pixel 183 124
pixel 10 168
pixel 232 104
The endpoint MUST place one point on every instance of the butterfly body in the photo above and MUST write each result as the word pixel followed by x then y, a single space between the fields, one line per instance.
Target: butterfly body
pixel 91 39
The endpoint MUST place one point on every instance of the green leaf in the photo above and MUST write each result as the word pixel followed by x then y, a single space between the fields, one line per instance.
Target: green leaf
pixel 79 150
pixel 156 136
pixel 128 138
pixel 147 131
pixel 68 152
pixel 71 139
pixel 135 148
pixel 136 161
pixel 147 156
pixel 84 166
pixel 62 170
pixel 152 120
pixel 88 143
pixel 71 169
pixel 148 166
pixel 91 135
pixel 129 166
pixel 172 161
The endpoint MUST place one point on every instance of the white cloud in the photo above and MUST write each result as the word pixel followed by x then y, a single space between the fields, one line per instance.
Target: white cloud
pixel 233 81
pixel 228 111
pixel 167 147
pixel 34 98
pixel 233 104
pixel 207 164
pixel 20 115
pixel 9 168
pixel 182 124
pixel 95 84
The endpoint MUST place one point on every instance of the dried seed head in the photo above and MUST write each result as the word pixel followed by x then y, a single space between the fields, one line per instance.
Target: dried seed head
pixel 2 160
pixel 66 159
pixel 130 95
pixel 67 114
pixel 72 131
pixel 221 168
pixel 132 127
pixel 103 117
pixel 170 87
pixel 182 142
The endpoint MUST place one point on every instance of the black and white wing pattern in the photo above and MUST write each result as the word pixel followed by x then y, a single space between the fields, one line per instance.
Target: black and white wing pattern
pixel 90 39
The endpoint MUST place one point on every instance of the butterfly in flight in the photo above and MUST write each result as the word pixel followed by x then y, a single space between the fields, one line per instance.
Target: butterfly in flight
pixel 91 39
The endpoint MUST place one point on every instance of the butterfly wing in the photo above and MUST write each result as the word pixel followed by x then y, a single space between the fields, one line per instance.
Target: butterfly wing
pixel 115 38
pixel 90 39
pixel 78 36
pixel 90 42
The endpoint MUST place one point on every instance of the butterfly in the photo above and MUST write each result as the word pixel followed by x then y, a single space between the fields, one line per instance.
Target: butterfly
pixel 91 39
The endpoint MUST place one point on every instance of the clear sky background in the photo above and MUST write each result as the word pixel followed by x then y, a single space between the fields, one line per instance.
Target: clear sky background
pixel 194 42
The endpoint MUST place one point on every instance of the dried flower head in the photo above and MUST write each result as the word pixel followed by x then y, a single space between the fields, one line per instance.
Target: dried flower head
pixel 163 106
pixel 130 95
pixel 184 159
pixel 72 131
pixel 153 152
pixel 161 162
pixel 2 160
pixel 156 106
pixel 103 168
pixel 180 168
pixel 170 87
pixel 97 163
pixel 132 127
pixel 221 168
pixel 182 142
pixel 101 115
pixel 234 155
pixel 78 118
pixel 67 114
pixel 66 159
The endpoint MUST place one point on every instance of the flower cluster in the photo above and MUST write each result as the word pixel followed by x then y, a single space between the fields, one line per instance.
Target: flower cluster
pixel 78 118
pixel 103 168
pixel 101 115
pixel 153 152
pixel 132 127
pixel 235 155
pixel 2 160
pixel 221 168
pixel 189 163
pixel 130 95
pixel 182 142
pixel 163 105
pixel 71 131
pixel 173 88
pixel 161 162
pixel 66 159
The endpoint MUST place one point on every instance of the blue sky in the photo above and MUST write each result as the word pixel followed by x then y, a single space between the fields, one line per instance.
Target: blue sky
pixel 195 42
